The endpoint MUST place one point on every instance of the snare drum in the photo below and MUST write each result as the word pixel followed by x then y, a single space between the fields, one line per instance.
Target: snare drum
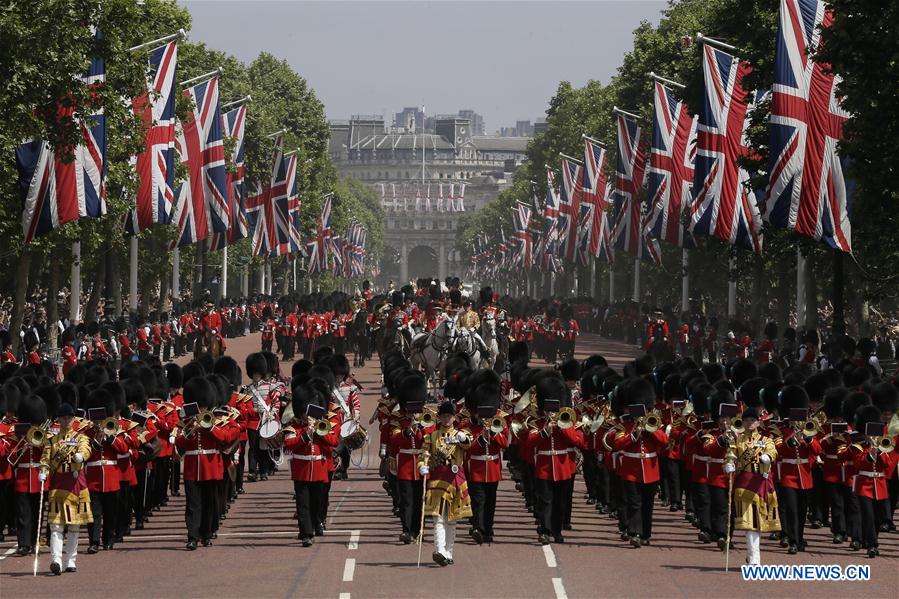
pixel 269 429
pixel 348 428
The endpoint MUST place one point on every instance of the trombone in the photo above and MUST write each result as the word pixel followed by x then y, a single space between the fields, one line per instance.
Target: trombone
pixel 205 419
pixel 37 436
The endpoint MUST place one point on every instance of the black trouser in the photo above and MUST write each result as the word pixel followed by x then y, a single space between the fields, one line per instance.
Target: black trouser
pixel 139 495
pixel 26 518
pixel 252 451
pixel 483 505
pixel 838 507
pixel 853 515
pixel 793 509
pixel 410 497
pixel 550 509
pixel 870 524
pixel 325 500
pixel 529 486
pixel 163 467
pixel 199 508
pixel 343 452
pixel 175 476
pixel 673 470
pixel 394 484
pixel 123 520
pixel 104 507
pixel 7 505
pixel 702 506
pixel 287 346
pixel 241 465
pixel 818 503
pixel 219 503
pixel 718 511
pixel 266 345
pixel 640 498
pixel 603 483
pixel 687 484
pixel 893 490
pixel 663 478
pixel 308 500
pixel 589 471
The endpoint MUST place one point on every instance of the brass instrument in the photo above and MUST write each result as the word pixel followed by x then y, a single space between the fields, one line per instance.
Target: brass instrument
pixel 518 425
pixel 565 418
pixel 205 419
pixel 893 426
pixel 526 401
pixel 323 427
pixel 37 436
pixel 649 423
pixel 427 419
pixel 617 426
pixel 884 443
pixel 63 456
pixel 736 426
pixel 497 424
pixel 810 427
pixel 109 427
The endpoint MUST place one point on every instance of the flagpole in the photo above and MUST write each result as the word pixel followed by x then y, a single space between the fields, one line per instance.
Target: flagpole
pixel 224 277
pixel 685 282
pixel 268 277
pixel 176 273
pixel 702 39
pixel 611 284
pixel 262 277
pixel 245 100
pixel 216 73
pixel 179 35
pixel 75 285
pixel 637 281
pixel 245 281
pixel 132 277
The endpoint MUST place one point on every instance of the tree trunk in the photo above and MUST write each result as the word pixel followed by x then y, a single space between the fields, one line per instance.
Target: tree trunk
pixel 53 300
pixel 164 305
pixel 18 307
pixel 758 295
pixel 811 296
pixel 114 281
pixel 839 314
pixel 93 301
pixel 285 279
pixel 782 313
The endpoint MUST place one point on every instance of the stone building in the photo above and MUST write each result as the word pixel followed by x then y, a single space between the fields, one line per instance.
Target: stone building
pixel 409 170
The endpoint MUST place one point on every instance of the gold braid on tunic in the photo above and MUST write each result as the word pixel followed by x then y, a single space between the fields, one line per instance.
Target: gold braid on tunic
pixel 69 499
pixel 755 500
pixel 447 487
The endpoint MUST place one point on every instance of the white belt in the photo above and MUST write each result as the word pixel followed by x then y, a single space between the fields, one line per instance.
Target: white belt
pixel 122 456
pixel 307 458
pixel 553 452
pixel 700 458
pixel 410 451
pixel 793 461
pixel 638 456
pixel 102 463
pixel 831 457
pixel 871 474
pixel 200 452
pixel 716 460
pixel 29 465
pixel 485 458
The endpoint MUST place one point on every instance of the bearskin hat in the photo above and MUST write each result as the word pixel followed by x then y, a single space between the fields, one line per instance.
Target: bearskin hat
pixel 483 395
pixel 413 389
pixel 885 396
pixel 833 402
pixel 200 391
pixel 32 410
pixel 101 398
pixel 551 386
pixel 864 415
pixel 227 367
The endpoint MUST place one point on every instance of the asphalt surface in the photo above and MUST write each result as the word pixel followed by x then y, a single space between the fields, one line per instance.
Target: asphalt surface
pixel 257 553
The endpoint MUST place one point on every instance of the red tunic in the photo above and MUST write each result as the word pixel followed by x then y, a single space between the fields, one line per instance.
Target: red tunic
pixel 483 460
pixel 26 471
pixel 871 473
pixel 794 464
pixel 102 468
pixel 639 460
pixel 554 454
pixel 202 453
pixel 310 452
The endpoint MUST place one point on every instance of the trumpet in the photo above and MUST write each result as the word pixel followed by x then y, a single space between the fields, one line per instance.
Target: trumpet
pixel 810 427
pixel 205 419
pixel 518 425
pixel 736 425
pixel 565 418
pixel 884 443
pixel 427 419
pixel 109 427
pixel 323 427
pixel 497 424
pixel 650 423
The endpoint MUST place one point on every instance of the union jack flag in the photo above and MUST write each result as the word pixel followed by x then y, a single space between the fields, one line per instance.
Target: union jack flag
pixel 629 173
pixel 285 201
pixel 156 164
pixel 550 239
pixel 594 236
pixel 671 159
pixel 202 204
pixel 722 204
pixel 521 216
pixel 233 123
pixel 60 186
pixel 260 206
pixel 807 191
pixel 569 207
pixel 460 199
pixel 321 247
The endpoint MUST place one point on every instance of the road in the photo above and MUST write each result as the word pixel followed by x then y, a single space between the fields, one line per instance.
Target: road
pixel 257 553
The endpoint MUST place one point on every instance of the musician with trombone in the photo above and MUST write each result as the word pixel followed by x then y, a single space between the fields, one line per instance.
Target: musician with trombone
pixel 201 442
pixel 101 468
pixel 638 447
pixel 69 501
pixel 310 438
pixel 483 460
pixel 873 458
pixel 797 449
pixel 405 444
pixel 31 433
pixel 553 442
pixel 715 446
pixel 748 464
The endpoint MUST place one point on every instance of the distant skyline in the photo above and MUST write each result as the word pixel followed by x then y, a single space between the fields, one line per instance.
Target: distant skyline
pixel 502 59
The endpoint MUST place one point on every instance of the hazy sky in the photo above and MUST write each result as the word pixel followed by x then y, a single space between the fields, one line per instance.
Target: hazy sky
pixel 504 59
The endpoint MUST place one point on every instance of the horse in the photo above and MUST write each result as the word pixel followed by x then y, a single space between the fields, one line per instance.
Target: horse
pixel 466 345
pixel 489 335
pixel 429 350
pixel 208 343
pixel 359 337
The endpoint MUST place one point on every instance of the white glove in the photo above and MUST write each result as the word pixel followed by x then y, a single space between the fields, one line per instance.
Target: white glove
pixel 729 468
pixel 382 453
pixel 172 439
pixel 452 440
pixel 766 459
pixel 462 437
pixel 423 470
pixel 78 458
pixel 42 476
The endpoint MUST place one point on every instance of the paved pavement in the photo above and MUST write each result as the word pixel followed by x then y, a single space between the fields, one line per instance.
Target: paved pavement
pixel 257 553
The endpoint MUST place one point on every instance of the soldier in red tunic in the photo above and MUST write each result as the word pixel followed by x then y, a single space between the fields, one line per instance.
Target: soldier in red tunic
pixel 405 444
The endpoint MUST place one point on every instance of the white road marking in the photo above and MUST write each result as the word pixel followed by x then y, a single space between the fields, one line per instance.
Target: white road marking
pixel 354 540
pixel 349 568
pixel 339 504
pixel 343 596
pixel 9 552
pixel 560 590
pixel 550 556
